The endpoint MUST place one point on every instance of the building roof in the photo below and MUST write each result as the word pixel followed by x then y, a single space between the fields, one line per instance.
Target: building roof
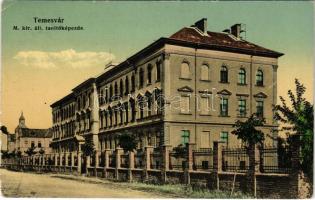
pixel 222 41
pixel 62 100
pixel 36 133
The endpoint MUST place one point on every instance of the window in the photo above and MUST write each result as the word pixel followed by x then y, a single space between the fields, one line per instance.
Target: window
pixel 205 139
pixel 39 144
pixel 126 86
pixel 242 107
pixel 149 74
pixel 158 72
pixel 116 89
pixel 32 144
pixel 185 137
pixel 224 136
pixel 133 83
pixel 260 109
pixel 242 77
pixel 185 71
pixel 205 164
pixel 204 73
pixel 224 107
pixel 110 93
pixel 224 75
pixel 185 104
pixel 204 105
pixel 141 78
pixel 259 78
pixel 121 88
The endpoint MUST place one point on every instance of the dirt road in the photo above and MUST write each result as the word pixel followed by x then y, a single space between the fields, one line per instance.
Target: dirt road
pixel 19 184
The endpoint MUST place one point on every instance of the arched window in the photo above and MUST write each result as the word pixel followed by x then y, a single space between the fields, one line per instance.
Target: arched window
pixel 126 86
pixel 133 110
pixel 242 76
pixel 121 88
pixel 158 71
pixel 141 78
pixel 204 73
pixel 184 70
pixel 116 89
pixel 133 83
pixel 259 78
pixel 149 74
pixel 110 93
pixel 224 74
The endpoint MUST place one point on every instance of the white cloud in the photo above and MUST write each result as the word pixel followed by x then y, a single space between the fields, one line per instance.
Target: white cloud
pixel 65 58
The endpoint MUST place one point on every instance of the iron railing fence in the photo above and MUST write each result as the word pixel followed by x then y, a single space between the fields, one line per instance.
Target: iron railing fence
pixel 235 159
pixel 203 159
pixel 275 160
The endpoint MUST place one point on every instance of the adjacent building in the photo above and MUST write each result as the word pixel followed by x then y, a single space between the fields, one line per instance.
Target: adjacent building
pixel 189 87
pixel 25 138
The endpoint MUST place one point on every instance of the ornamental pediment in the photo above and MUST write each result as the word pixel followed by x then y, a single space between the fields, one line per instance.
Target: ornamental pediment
pixel 185 89
pixel 224 92
pixel 260 95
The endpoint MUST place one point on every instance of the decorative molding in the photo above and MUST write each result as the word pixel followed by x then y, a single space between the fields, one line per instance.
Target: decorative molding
pixel 185 89
pixel 260 95
pixel 243 95
pixel 224 92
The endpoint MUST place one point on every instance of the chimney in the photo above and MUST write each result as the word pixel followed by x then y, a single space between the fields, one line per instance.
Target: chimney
pixel 202 25
pixel 226 30
pixel 236 30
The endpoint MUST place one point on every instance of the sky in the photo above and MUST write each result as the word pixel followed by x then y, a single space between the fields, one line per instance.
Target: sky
pixel 40 67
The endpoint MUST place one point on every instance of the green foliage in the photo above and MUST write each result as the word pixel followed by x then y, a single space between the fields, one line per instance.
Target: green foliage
pixel 4 129
pixel 88 148
pixel 180 151
pixel 30 151
pixel 5 154
pixel 247 132
pixel 298 119
pixel 127 142
pixel 18 154
pixel 41 151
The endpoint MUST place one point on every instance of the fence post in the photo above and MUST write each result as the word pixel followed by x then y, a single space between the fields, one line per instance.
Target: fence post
pixel 295 162
pixel 119 151
pixel 253 154
pixel 96 163
pixel 217 164
pixel 190 161
pixel 106 161
pixel 166 161
pixel 131 165
pixel 147 160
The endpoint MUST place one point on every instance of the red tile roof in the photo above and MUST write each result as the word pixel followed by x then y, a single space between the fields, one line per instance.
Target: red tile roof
pixel 224 40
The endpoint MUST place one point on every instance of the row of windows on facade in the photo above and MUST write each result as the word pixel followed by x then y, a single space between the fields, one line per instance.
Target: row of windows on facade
pixel 39 144
pixel 204 138
pixel 205 106
pixel 64 113
pixel 224 74
pixel 121 113
pixel 64 130
pixel 154 140
pixel 108 94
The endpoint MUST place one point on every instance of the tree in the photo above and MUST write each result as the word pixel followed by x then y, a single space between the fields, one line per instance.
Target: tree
pixel 41 151
pixel 298 119
pixel 127 142
pixel 247 132
pixel 30 151
pixel 88 148
pixel 4 129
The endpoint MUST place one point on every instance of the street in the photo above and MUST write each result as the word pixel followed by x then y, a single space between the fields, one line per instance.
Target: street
pixel 20 184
